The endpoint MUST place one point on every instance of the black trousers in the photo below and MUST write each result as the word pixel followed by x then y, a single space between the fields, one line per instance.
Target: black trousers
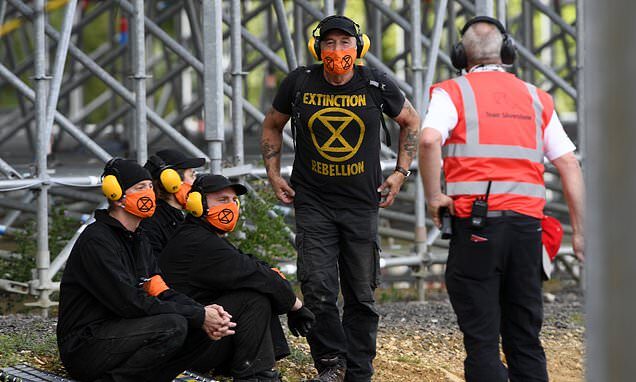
pixel 493 278
pixel 158 348
pixel 339 246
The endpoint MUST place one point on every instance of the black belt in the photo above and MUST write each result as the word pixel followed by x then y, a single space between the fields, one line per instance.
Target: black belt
pixel 502 213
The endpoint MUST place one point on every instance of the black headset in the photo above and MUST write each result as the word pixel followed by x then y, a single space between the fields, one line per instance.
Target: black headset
pixel 362 40
pixel 508 51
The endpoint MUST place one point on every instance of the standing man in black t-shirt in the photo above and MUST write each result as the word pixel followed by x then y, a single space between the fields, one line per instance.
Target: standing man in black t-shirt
pixel 336 187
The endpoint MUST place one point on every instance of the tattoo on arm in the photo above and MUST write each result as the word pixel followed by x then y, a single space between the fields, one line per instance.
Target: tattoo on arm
pixel 269 151
pixel 410 144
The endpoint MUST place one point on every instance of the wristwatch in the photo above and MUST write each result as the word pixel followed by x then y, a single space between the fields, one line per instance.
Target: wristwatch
pixel 403 171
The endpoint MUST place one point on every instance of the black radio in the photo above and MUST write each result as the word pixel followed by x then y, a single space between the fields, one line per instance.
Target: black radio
pixel 479 212
pixel 447 223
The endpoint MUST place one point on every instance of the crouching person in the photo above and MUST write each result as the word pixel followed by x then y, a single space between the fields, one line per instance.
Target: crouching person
pixel 200 262
pixel 118 320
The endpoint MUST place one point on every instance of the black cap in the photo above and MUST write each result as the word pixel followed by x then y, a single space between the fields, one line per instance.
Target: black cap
pixel 127 171
pixel 343 23
pixel 172 158
pixel 208 183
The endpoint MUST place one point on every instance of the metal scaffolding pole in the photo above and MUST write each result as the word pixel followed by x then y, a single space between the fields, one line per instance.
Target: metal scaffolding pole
pixel 329 8
pixel 611 184
pixel 237 82
pixel 285 36
pixel 58 66
pixel 580 83
pixel 213 82
pixel 42 259
pixel 299 37
pixel 420 205
pixel 139 79
pixel 484 8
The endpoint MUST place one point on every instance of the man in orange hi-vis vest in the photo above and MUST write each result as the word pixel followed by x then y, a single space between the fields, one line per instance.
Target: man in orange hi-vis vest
pixel 494 131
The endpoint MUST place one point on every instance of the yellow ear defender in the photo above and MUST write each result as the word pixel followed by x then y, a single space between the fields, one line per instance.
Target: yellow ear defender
pixel 366 44
pixel 111 188
pixel 110 184
pixel 171 180
pixel 169 177
pixel 194 204
pixel 363 43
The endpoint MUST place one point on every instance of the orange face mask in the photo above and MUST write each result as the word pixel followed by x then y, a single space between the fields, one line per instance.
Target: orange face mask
pixel 224 216
pixel 182 194
pixel 339 61
pixel 141 203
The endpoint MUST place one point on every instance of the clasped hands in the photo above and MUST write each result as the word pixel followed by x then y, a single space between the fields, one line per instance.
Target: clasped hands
pixel 217 323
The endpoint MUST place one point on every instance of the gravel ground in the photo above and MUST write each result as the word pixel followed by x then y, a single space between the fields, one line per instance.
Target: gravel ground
pixel 416 342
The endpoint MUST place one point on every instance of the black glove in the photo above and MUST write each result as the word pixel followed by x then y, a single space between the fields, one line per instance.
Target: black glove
pixel 300 321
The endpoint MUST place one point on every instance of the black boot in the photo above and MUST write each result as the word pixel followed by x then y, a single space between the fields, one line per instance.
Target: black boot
pixel 263 376
pixel 330 370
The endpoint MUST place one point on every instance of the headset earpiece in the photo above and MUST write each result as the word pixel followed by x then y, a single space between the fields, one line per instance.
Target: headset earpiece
pixel 169 177
pixel 110 184
pixel 363 48
pixel 508 50
pixel 170 180
pixel 314 48
pixel 458 56
pixel 111 188
pixel 196 204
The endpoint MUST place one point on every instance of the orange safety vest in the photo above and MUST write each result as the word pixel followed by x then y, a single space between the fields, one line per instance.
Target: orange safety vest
pixel 498 138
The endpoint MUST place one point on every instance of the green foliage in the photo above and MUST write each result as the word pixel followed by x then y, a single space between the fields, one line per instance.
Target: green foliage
pixel 61 229
pixel 258 233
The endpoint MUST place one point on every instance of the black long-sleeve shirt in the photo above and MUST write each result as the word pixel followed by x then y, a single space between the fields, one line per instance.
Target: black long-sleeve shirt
pixel 102 277
pixel 201 264
pixel 162 225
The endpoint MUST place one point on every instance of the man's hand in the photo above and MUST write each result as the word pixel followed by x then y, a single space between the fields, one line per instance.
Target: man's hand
pixel 578 244
pixel 436 203
pixel 283 191
pixel 217 322
pixel 300 321
pixel 393 183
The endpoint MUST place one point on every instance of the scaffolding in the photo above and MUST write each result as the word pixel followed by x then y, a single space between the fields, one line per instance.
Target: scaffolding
pixel 199 74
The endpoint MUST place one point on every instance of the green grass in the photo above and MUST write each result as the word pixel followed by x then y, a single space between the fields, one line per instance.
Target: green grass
pixel 39 350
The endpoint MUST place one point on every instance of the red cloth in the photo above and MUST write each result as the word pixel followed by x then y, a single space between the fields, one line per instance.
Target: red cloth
pixel 552 235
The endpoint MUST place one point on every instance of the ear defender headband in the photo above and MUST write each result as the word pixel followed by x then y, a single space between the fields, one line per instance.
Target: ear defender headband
pixel 197 204
pixel 363 43
pixel 507 53
pixel 110 182
pixel 169 177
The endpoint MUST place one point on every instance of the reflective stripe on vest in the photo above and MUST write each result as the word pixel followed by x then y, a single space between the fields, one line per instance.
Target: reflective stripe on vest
pixel 472 147
pixel 479 188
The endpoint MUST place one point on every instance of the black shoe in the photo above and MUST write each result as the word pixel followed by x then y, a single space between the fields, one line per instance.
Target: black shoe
pixel 330 370
pixel 263 376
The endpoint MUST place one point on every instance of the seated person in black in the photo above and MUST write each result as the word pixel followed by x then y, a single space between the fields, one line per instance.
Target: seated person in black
pixel 118 320
pixel 172 177
pixel 200 262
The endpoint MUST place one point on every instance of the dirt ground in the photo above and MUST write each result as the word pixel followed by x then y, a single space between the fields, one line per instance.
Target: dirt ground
pixel 421 342
pixel 417 342
pixel 424 356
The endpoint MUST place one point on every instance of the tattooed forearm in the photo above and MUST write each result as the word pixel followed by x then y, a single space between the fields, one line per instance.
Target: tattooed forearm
pixel 410 144
pixel 269 150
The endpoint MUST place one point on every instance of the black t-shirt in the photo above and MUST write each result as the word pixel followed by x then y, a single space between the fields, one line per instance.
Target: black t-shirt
pixel 337 158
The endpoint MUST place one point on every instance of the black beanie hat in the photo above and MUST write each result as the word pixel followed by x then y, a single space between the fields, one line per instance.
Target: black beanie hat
pixel 127 171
